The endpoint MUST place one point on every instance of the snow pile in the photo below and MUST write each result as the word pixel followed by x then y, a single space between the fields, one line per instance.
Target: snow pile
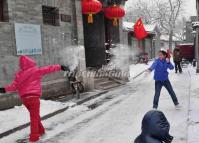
pixel 193 129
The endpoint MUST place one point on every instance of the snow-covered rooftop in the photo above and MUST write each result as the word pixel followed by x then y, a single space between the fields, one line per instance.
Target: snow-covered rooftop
pixel 151 28
pixel 187 44
pixel 166 38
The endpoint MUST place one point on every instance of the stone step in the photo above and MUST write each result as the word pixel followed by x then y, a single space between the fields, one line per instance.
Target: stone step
pixel 108 87
pixel 99 80
pixel 107 83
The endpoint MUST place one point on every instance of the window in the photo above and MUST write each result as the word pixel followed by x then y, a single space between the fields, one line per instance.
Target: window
pixel 3 11
pixel 50 15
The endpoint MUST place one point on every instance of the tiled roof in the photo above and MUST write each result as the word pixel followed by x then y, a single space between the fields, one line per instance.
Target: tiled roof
pixel 151 28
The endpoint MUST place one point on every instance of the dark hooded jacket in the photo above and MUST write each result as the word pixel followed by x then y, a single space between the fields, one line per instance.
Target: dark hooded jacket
pixel 177 57
pixel 155 129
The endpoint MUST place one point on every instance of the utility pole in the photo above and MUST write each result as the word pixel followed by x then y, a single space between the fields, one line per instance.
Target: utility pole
pixel 197 38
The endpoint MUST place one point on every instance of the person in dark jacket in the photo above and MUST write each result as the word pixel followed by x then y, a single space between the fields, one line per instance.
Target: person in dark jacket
pixel 177 58
pixel 155 129
pixel 160 66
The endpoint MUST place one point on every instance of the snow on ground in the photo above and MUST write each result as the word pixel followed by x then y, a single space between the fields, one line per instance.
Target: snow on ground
pixel 194 108
pixel 19 115
pixel 116 116
pixel 136 69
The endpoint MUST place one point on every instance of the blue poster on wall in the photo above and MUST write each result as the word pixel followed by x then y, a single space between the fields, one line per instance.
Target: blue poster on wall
pixel 28 39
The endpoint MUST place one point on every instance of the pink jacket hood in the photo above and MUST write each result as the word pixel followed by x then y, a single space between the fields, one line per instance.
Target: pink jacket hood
pixel 26 63
pixel 28 80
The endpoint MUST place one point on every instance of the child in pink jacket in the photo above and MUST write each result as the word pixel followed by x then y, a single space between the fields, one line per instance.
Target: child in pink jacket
pixel 28 84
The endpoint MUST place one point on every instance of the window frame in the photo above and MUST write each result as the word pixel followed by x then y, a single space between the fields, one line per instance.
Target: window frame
pixel 1 10
pixel 52 18
pixel 4 14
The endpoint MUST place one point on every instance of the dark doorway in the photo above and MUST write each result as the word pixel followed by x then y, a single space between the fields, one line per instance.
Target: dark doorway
pixel 94 41
pixel 4 11
pixel 1 10
pixel 112 32
pixel 112 38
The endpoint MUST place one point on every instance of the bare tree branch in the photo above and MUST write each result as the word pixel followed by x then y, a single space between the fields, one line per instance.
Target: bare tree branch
pixel 164 13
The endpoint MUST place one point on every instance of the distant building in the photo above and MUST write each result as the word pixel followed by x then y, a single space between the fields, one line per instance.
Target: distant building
pixel 165 42
pixel 189 35
pixel 150 44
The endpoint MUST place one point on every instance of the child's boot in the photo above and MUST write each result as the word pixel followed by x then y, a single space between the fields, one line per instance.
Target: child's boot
pixel 41 129
pixel 42 132
pixel 34 137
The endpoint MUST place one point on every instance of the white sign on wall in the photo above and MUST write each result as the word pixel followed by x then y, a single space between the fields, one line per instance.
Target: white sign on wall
pixel 28 39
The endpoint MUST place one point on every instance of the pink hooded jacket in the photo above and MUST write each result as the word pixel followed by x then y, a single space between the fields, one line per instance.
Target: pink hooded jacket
pixel 28 80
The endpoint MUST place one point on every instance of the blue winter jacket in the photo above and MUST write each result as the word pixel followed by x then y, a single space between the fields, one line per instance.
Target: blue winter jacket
pixel 161 67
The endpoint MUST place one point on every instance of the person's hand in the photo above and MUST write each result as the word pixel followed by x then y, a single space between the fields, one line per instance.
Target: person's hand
pixel 148 71
pixel 168 60
pixel 65 68
pixel 2 90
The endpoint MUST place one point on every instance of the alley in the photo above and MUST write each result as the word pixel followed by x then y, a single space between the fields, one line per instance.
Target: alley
pixel 79 71
pixel 116 116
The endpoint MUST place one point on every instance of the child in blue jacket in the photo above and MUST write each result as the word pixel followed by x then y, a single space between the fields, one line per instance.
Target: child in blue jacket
pixel 160 66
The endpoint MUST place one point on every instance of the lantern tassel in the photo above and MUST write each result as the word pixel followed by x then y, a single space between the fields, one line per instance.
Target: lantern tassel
pixel 115 22
pixel 90 18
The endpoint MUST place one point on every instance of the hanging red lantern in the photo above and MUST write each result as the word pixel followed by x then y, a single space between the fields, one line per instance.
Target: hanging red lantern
pixel 114 13
pixel 91 7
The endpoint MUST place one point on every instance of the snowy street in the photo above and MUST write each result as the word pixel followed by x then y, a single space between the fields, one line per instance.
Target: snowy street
pixel 116 116
pixel 99 71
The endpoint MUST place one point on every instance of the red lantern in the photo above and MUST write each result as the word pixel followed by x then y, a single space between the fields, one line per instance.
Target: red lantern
pixel 114 13
pixel 91 7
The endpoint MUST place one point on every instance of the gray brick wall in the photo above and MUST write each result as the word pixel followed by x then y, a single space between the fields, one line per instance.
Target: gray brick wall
pixel 54 39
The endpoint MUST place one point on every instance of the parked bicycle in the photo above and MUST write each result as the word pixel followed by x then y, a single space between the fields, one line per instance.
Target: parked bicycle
pixel 76 85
